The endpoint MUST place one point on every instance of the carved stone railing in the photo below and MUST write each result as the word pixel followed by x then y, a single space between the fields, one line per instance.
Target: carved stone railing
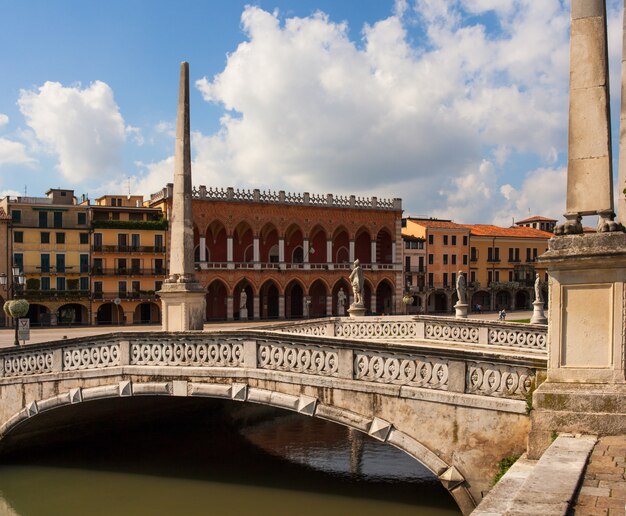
pixel 530 337
pixel 483 372
pixel 281 197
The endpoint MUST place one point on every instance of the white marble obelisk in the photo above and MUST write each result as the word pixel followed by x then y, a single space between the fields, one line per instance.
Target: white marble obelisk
pixel 589 167
pixel 182 297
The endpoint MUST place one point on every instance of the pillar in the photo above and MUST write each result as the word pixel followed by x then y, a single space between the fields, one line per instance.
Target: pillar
pixel 229 252
pixel 329 304
pixel 203 249
pixel 393 253
pixel 373 252
pixel 230 314
pixel 351 251
pixel 256 253
pixel 256 307
pixel 281 250
pixel 281 306
pixel 373 302
pixel 329 254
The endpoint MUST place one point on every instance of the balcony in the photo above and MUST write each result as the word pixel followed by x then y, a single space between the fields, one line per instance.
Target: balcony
pixel 418 269
pixel 55 294
pixel 201 266
pixel 128 249
pixel 494 260
pixel 141 295
pixel 128 271
pixel 68 270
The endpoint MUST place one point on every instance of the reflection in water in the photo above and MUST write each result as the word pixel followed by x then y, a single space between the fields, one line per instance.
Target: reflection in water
pixel 212 458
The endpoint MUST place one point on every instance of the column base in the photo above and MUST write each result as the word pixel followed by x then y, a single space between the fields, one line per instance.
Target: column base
pixel 356 310
pixel 183 305
pixel 539 317
pixel 243 314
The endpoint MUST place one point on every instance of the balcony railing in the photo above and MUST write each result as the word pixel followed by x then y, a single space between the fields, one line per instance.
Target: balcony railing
pixel 128 249
pixel 139 295
pixel 415 269
pixel 128 271
pixel 55 294
pixel 52 270
pixel 294 266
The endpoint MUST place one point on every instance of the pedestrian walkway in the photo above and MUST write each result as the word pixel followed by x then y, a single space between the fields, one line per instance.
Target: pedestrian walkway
pixel 603 491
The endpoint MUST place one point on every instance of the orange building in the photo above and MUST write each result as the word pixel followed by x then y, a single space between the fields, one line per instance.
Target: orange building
pixel 5 260
pixel 538 222
pixel 292 253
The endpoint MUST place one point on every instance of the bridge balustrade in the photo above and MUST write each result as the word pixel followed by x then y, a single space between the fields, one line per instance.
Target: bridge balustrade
pixel 529 337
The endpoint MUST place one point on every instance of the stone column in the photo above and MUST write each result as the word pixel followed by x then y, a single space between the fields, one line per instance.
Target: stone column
pixel 621 181
pixel 373 251
pixel 229 252
pixel 351 251
pixel 373 302
pixel 281 252
pixel 329 304
pixel 305 253
pixel 329 254
pixel 393 253
pixel 182 297
pixel 256 307
pixel 230 313
pixel 256 252
pixel 203 249
pixel 281 306
pixel 589 167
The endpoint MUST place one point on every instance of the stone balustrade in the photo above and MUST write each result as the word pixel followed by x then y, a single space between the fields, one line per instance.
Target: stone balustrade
pixel 287 198
pixel 351 358
pixel 529 337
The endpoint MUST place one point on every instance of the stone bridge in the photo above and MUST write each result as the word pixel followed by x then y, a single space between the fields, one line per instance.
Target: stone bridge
pixel 452 394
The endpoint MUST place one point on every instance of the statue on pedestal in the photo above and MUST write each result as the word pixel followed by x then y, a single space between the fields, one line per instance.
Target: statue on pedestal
pixel 461 289
pixel 538 286
pixel 356 280
pixel 341 302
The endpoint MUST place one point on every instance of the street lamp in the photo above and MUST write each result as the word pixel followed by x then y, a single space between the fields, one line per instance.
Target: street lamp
pixel 18 280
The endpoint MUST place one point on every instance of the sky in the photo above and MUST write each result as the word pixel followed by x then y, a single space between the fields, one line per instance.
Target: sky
pixel 457 107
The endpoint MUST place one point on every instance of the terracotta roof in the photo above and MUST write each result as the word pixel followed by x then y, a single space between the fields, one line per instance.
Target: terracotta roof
pixel 496 231
pixel 438 224
pixel 535 218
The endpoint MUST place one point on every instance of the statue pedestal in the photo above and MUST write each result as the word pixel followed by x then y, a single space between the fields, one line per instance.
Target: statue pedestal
pixel 539 317
pixel 356 310
pixel 243 314
pixel 183 305
pixel 585 389
pixel 341 311
pixel 461 310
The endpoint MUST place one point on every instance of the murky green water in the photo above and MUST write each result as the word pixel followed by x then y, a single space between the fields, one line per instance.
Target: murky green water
pixel 204 462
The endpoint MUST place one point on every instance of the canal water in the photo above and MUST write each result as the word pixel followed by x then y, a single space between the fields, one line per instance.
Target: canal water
pixel 216 458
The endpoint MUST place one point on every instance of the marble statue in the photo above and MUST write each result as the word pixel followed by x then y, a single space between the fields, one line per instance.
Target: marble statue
pixel 538 290
pixel 341 302
pixel 243 300
pixel 356 280
pixel 461 289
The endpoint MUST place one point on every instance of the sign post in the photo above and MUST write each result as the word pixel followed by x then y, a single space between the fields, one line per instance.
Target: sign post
pixel 23 330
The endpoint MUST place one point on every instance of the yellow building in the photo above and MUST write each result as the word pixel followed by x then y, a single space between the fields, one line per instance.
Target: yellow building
pixel 503 263
pixel 127 260
pixel 49 242
pixel 4 261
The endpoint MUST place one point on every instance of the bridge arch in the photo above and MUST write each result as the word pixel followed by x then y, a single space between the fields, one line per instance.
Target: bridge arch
pixel 381 430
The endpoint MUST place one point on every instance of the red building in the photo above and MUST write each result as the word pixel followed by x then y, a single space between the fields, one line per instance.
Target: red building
pixel 292 253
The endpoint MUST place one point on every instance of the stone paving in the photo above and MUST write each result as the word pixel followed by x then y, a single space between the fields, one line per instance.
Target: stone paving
pixel 603 491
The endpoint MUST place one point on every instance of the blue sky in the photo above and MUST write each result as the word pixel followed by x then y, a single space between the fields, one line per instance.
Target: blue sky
pixel 458 107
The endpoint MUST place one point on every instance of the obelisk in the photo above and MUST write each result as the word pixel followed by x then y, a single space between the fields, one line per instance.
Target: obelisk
pixel 589 167
pixel 182 296
pixel 621 181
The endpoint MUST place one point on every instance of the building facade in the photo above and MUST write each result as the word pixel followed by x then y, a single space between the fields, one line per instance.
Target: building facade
pixel 291 254
pixel 538 222
pixel 127 260
pixel 499 264
pixel 5 260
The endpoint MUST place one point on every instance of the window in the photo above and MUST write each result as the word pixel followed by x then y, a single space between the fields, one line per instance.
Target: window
pixel 82 218
pixel 135 242
pixel 431 280
pixel 58 219
pixel 511 254
pixel 60 262
pixel 43 219
pixel 44 262
pixel 497 254
pixel 135 216
pixel 18 237
pixel 431 239
pixel 97 265
pixel 464 259
pixel 421 264
pixel 489 276
pixel 84 263
pixel 445 279
pixel 158 266
pixel 453 239
pixel 158 243
pixel 420 244
pixel 121 288
pixel 431 259
pixel 60 283
pixel 135 286
pixel 453 278
pixel 473 276
pixel 510 275
pixel 474 254
pixel 60 238
pixel 122 241
pixel 497 276
pixel 445 239
pixel 84 283
pixel 115 215
pixel 528 255
pixel 407 244
pixel 45 237
pixel 445 259
pixel 407 263
pixel 454 259
pixel 465 240
pixel 16 216
pixel 97 290
pixel 97 241
pixel 121 266
pixel 517 254
pixel 135 265
pixel 45 283
pixel 534 253
pixel 157 285
pixel 84 238
pixel 18 261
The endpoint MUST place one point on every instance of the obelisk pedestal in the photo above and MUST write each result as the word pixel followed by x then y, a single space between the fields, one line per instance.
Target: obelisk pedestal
pixel 539 316
pixel 182 296
pixel 460 310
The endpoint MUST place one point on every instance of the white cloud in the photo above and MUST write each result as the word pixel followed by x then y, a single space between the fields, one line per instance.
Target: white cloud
pixel 309 109
pixel 4 119
pixel 83 127
pixel 135 132
pixel 14 153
